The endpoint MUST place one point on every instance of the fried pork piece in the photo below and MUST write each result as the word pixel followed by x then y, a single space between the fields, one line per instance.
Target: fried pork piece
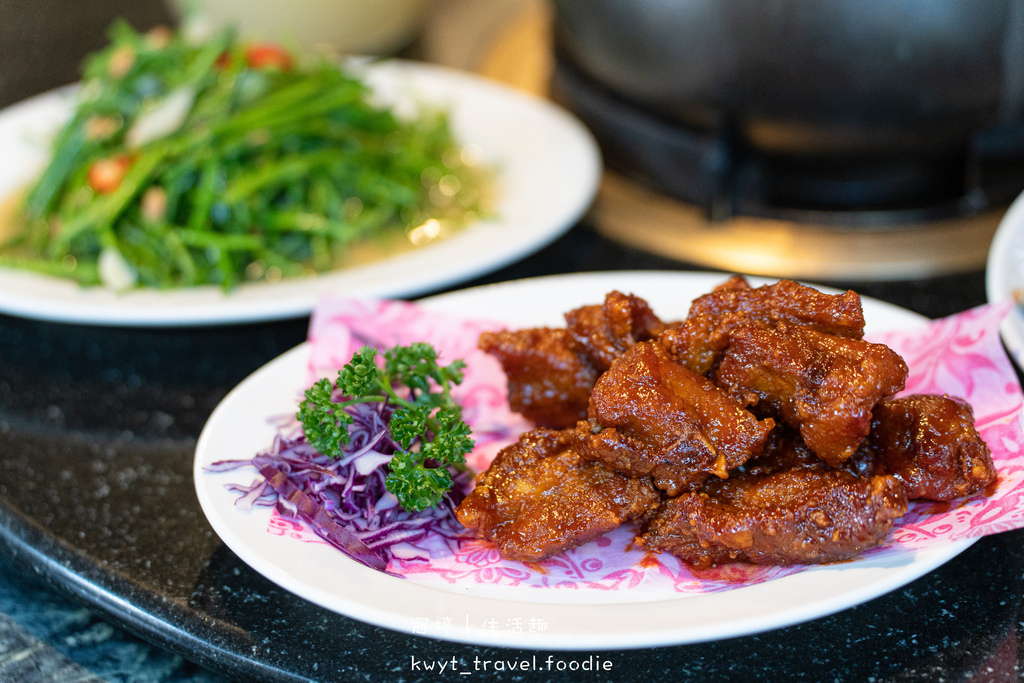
pixel 551 371
pixel 650 416
pixel 824 385
pixel 785 450
pixel 604 332
pixel 796 516
pixel 539 498
pixel 549 382
pixel 702 338
pixel 930 445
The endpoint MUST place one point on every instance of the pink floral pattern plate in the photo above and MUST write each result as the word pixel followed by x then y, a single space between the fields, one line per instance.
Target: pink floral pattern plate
pixel 467 592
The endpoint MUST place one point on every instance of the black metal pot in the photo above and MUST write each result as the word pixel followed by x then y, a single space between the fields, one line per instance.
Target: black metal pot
pixel 809 76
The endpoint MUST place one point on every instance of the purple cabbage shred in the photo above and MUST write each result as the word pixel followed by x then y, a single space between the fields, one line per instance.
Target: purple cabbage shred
pixel 344 500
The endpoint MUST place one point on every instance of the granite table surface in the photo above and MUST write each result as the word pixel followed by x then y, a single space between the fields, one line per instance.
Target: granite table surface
pixel 109 571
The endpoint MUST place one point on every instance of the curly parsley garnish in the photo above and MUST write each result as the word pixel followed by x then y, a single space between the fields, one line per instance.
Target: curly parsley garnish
pixel 426 424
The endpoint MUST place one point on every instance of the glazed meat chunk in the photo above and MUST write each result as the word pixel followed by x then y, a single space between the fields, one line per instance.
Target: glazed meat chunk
pixel 930 445
pixel 824 385
pixel 650 416
pixel 549 382
pixel 604 332
pixel 539 498
pixel 551 371
pixel 798 516
pixel 785 301
pixel 700 341
pixel 785 449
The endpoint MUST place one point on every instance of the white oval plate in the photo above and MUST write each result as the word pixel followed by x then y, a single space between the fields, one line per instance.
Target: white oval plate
pixel 1004 274
pixel 548 171
pixel 463 613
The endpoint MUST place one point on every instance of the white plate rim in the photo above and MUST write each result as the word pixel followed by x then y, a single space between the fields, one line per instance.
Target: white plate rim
pixel 382 600
pixel 1004 273
pixel 549 172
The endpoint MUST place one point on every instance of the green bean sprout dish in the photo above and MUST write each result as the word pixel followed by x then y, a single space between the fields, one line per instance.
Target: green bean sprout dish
pixel 219 162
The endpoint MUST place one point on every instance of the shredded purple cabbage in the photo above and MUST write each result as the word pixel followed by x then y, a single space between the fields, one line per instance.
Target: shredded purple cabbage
pixel 344 500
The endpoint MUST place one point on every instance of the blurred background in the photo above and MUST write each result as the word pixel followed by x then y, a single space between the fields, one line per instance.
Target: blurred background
pixel 864 141
pixel 42 46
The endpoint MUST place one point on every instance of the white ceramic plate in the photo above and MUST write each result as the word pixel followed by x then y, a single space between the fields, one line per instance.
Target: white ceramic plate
pixel 548 171
pixel 580 620
pixel 1004 274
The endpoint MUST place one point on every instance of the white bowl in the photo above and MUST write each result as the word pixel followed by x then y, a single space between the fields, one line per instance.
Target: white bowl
pixel 368 27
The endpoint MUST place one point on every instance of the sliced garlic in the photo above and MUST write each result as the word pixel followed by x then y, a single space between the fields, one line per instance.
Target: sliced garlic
pixel 115 271
pixel 163 119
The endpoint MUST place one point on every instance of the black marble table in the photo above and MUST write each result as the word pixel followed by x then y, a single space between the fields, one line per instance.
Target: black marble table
pixel 102 539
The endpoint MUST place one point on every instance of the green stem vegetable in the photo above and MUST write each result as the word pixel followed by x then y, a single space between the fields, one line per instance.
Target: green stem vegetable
pixel 263 168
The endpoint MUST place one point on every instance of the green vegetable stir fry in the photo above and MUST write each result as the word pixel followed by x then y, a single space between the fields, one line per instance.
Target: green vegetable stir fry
pixel 420 418
pixel 221 162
